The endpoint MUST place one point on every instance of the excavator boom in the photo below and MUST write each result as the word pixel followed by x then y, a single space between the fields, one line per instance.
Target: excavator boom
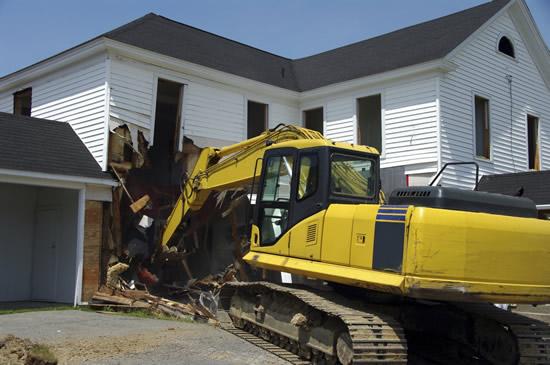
pixel 227 167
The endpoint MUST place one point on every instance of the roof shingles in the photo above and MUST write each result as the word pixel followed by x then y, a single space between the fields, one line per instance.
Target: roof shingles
pixel 405 47
pixel 40 145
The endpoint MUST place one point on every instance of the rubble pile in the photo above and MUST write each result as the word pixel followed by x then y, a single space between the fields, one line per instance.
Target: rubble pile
pixel 199 300
pixel 18 351
pixel 151 179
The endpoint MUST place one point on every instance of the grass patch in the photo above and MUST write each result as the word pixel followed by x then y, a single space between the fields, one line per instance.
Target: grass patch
pixel 142 313
pixel 42 353
pixel 36 309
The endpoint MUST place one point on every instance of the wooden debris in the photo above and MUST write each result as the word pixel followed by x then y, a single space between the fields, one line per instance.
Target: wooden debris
pixel 140 299
pixel 140 203
pixel 113 274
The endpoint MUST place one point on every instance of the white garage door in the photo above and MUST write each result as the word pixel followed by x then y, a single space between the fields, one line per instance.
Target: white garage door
pixel 38 240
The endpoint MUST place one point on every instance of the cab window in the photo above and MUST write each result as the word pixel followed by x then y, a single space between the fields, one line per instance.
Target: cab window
pixel 309 176
pixel 352 176
pixel 275 199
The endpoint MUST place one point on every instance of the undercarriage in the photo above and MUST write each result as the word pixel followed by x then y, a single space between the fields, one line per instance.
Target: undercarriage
pixel 326 327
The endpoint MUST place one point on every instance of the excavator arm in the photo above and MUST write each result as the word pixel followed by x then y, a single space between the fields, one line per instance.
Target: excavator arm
pixel 225 168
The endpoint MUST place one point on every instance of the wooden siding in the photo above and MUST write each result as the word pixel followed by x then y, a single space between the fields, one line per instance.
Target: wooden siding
pixel 410 123
pixel 482 70
pixel 76 96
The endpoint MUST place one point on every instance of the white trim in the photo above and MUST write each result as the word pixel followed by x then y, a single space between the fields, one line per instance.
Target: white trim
pixel 54 180
pixel 543 207
pixel 436 66
pixel 154 96
pixel 80 245
pixel 107 112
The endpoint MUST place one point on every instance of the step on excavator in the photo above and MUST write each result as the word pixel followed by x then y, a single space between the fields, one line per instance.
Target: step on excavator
pixel 397 279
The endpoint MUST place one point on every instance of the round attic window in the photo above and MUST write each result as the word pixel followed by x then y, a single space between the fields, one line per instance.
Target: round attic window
pixel 505 46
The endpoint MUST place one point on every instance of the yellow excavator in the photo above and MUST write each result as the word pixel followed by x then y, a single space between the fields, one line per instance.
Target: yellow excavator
pixel 416 271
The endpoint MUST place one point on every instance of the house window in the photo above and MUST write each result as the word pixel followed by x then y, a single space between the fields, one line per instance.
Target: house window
pixel 369 121
pixel 533 142
pixel 257 119
pixel 314 119
pixel 22 102
pixel 482 130
pixel 505 46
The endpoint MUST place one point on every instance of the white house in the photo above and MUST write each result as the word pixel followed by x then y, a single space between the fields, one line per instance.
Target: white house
pixel 473 85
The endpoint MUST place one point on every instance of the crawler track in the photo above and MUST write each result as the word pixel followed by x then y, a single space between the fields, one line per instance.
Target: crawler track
pixel 531 336
pixel 372 338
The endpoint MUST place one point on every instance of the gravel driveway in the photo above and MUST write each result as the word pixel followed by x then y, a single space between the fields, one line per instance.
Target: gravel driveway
pixel 81 337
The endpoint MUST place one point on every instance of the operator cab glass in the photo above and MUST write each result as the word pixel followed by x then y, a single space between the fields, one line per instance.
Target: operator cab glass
pixel 352 176
pixel 276 197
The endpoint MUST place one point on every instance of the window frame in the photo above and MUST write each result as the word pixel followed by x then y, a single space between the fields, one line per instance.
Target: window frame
pixel 17 95
pixel 351 196
pixel 537 117
pixel 475 95
pixel 299 169
pixel 267 112
pixel 373 92
pixel 502 54
pixel 304 111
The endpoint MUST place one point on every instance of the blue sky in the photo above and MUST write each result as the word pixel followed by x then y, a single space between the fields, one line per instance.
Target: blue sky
pixel 33 30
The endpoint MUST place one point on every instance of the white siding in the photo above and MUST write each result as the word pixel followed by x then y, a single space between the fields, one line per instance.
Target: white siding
pixel 280 113
pixel 210 112
pixel 482 70
pixel 76 96
pixel 410 123
pixel 6 103
pixel 340 120
pixel 409 117
pixel 131 94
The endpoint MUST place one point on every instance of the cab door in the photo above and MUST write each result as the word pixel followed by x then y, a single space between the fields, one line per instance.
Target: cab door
pixel 308 207
pixel 273 214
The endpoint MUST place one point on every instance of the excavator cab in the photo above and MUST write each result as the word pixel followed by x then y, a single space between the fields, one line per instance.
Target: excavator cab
pixel 298 183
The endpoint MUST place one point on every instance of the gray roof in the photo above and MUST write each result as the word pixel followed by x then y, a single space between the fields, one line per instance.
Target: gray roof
pixel 535 185
pixel 40 145
pixel 405 47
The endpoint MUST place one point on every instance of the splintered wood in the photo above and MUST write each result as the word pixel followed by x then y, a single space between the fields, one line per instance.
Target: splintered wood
pixel 127 300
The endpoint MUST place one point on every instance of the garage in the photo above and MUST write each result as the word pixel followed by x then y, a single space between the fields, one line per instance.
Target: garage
pixel 48 182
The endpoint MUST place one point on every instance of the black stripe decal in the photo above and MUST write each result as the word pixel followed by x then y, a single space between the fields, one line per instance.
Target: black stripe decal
pixel 388 246
pixel 392 211
pixel 398 218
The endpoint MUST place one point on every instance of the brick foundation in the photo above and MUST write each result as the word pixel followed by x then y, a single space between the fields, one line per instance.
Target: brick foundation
pixel 93 223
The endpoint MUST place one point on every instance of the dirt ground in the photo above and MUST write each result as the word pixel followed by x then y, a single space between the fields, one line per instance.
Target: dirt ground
pixel 81 337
